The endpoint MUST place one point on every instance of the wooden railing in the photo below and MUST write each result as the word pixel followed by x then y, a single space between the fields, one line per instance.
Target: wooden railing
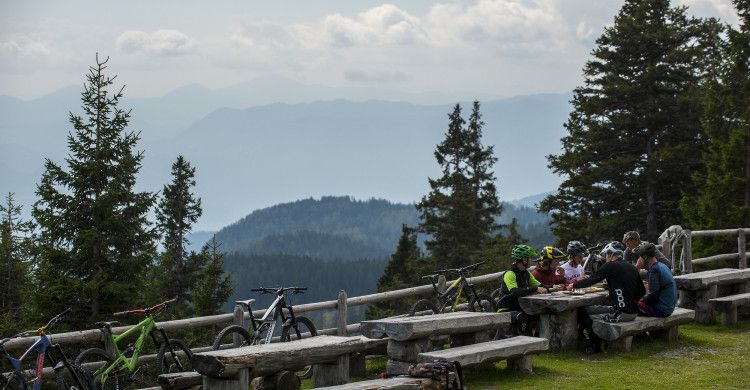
pixel 675 235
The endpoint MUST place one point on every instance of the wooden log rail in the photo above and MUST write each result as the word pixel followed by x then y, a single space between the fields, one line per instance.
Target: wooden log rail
pixel 685 237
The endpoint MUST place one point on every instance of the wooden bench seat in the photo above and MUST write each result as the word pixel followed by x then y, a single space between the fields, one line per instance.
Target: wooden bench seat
pixel 620 334
pixel 181 380
pixel 728 305
pixel 516 350
pixel 396 383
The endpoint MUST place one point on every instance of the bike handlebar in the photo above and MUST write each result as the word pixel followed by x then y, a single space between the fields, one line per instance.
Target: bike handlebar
pixel 279 290
pixel 146 311
pixel 54 320
pixel 469 268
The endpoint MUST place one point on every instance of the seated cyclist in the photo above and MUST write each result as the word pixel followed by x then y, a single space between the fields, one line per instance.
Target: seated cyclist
pixel 574 266
pixel 519 282
pixel 662 290
pixel 548 272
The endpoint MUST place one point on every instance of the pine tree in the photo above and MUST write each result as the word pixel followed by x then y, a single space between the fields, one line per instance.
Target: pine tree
pixel 634 135
pixel 95 242
pixel 403 270
pixel 16 245
pixel 723 197
pixel 177 271
pixel 213 286
pixel 460 211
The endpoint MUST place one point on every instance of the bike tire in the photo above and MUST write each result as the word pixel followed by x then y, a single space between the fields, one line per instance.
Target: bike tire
pixel 306 329
pixel 65 380
pixel 11 382
pixel 483 303
pixel 181 362
pixel 92 355
pixel 227 335
pixel 423 305
pixel 496 294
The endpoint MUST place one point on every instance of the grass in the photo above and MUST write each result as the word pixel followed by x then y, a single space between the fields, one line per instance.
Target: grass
pixel 705 357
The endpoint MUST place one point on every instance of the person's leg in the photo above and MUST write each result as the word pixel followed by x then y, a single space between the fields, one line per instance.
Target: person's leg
pixel 591 313
pixel 646 310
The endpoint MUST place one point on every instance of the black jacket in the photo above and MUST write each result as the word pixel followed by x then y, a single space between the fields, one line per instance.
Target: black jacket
pixel 624 284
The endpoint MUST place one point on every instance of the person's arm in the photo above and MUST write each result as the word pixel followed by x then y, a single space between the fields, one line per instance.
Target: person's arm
pixel 509 278
pixel 534 283
pixel 597 277
pixel 654 286
pixel 536 274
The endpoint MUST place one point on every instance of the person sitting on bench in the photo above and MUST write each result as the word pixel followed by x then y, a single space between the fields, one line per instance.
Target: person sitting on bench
pixel 662 290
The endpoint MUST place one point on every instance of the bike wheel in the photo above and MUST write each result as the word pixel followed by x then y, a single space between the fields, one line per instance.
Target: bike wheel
pixel 306 329
pixel 483 303
pixel 11 382
pixel 66 381
pixel 226 336
pixel 181 361
pixel 422 306
pixel 496 294
pixel 90 361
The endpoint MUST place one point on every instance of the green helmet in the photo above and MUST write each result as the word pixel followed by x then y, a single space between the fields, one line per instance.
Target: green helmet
pixel 521 252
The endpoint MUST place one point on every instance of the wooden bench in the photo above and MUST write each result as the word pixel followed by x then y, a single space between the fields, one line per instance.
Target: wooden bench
pixel 620 334
pixel 728 305
pixel 395 383
pixel 274 363
pixel 181 381
pixel 516 350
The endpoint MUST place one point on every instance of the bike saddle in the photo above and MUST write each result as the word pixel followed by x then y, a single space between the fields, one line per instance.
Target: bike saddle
pixel 106 324
pixel 246 302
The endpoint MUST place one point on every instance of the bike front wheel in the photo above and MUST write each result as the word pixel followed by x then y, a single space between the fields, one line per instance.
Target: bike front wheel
pixel 94 360
pixel 66 378
pixel 483 303
pixel 11 382
pixel 225 338
pixel 303 328
pixel 179 359
pixel 422 307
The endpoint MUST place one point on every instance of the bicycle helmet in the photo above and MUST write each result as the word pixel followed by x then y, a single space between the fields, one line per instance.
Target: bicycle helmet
pixel 521 252
pixel 576 247
pixel 551 253
pixel 614 247
pixel 645 249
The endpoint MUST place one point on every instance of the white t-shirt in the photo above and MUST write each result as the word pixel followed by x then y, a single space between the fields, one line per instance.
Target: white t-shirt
pixel 572 272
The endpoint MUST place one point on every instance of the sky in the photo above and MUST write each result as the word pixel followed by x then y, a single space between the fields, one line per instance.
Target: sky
pixel 479 49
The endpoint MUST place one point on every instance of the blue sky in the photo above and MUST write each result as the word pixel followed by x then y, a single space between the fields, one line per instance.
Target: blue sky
pixel 469 49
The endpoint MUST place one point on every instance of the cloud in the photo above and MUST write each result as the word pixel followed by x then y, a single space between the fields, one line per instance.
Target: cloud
pixel 375 77
pixel 382 25
pixel 159 42
pixel 24 46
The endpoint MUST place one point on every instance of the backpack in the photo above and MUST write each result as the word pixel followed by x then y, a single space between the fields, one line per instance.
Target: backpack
pixel 440 370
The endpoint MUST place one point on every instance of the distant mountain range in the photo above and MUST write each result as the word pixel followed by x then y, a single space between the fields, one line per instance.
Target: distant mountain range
pixel 250 154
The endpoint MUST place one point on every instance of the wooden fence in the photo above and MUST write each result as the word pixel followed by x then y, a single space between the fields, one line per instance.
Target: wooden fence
pixel 675 235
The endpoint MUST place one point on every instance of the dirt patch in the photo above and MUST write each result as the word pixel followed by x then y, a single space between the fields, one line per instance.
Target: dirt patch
pixel 685 352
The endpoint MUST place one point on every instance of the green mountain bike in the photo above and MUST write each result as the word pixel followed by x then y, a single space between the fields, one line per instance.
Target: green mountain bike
pixel 173 355
pixel 450 299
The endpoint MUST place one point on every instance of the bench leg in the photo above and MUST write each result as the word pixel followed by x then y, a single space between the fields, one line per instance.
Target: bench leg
pixel 704 310
pixel 560 329
pixel 521 364
pixel 239 382
pixel 624 344
pixel 285 380
pixel 332 374
pixel 729 317
pixel 460 340
pixel 686 299
pixel 407 351
pixel 357 365
pixel 396 367
pixel 670 334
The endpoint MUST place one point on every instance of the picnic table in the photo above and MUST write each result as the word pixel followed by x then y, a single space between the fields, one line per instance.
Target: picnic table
pixel 698 288
pixel 410 336
pixel 558 317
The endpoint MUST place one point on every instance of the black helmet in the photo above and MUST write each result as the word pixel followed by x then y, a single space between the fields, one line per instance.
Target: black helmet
pixel 645 249
pixel 576 247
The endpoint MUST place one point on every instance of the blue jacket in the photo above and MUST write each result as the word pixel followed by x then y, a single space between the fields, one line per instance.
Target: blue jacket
pixel 662 290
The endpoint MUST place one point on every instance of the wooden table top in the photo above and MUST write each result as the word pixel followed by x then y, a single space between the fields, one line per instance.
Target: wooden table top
pixel 705 279
pixel 416 327
pixel 558 302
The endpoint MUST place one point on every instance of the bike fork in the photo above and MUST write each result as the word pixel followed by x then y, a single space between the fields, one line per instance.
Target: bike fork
pixel 171 350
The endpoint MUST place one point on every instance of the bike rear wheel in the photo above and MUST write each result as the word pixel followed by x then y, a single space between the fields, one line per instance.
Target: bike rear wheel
pixel 422 307
pixel 306 329
pixel 66 381
pixel 11 382
pixel 89 361
pixel 483 303
pixel 181 361
pixel 227 336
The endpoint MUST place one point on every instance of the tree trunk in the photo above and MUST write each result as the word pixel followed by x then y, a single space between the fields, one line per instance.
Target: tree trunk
pixel 747 172
pixel 651 231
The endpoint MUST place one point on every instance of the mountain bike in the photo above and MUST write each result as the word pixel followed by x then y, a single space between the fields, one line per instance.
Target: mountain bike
pixel 68 375
pixel 173 355
pixel 293 327
pixel 452 295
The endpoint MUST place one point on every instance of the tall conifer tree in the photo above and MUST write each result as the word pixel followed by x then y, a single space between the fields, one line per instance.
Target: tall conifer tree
pixel 15 259
pixel 460 211
pixel 634 135
pixel 213 286
pixel 723 197
pixel 178 209
pixel 96 242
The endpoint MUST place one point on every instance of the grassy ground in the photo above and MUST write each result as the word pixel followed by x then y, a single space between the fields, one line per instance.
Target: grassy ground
pixel 705 357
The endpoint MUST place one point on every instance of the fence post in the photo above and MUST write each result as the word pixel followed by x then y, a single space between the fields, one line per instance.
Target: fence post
pixel 687 252
pixel 441 283
pixel 742 247
pixel 666 250
pixel 238 319
pixel 342 314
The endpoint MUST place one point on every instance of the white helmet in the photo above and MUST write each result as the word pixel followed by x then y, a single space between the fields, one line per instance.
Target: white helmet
pixel 614 247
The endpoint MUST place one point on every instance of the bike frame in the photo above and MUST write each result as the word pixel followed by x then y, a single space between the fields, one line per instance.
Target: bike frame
pixel 274 311
pixel 146 327
pixel 454 291
pixel 41 347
